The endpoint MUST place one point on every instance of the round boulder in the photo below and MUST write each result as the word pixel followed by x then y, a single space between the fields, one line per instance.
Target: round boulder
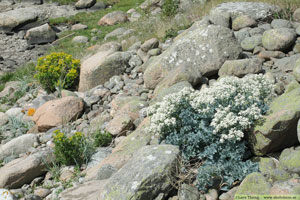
pixel 278 39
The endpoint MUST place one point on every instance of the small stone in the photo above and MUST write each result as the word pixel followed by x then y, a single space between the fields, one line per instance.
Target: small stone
pixel 42 192
pixel 81 4
pixel 281 23
pixel 80 39
pixel 105 172
pixel 76 27
pixel 154 52
pixel 150 44
pixel 248 44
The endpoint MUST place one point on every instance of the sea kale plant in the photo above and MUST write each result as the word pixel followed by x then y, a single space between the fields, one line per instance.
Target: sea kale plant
pixel 209 126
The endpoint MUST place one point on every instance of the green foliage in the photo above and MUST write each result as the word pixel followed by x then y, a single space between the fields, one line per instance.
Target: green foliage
pixel 102 139
pixel 170 7
pixel 57 71
pixel 72 150
pixel 209 126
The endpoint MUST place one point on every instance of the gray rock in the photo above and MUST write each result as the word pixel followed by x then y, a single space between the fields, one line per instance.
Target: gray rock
pixel 40 35
pixel 106 171
pixel 115 33
pixel 203 49
pixel 254 184
pixel 249 44
pixel 290 160
pixel 99 68
pixel 150 44
pixel 298 30
pixel 286 64
pixel 296 15
pixel 256 31
pixel 99 5
pixel 222 19
pixel 32 2
pixel 258 11
pixel 23 170
pixel 278 39
pixel 97 157
pixel 187 192
pixel 241 68
pixel 279 129
pixel 81 4
pixel 13 147
pixel 80 39
pixel 296 71
pixel 154 52
pixel 144 176
pixel 16 18
pixel 242 34
pixel 76 27
pixel 281 23
pixel 243 21
pixel 135 61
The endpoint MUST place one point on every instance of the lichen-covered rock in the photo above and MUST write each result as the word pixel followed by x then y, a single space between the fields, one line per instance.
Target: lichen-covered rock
pixel 281 23
pixel 203 49
pixel 257 10
pixel 290 187
pixel 243 21
pixel 280 175
pixel 240 68
pixel 290 160
pixel 296 15
pixel 296 70
pixel 254 184
pixel 278 39
pixel 249 43
pixel 279 128
pixel 120 124
pixel 188 192
pixel 266 165
pixel 144 176
pixel 124 150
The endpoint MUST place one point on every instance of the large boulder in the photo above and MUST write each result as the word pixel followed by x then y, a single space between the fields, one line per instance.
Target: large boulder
pixel 99 68
pixel 202 49
pixel 13 19
pixel 258 11
pixel 241 67
pixel 13 147
pixel 40 35
pixel 278 129
pixel 279 39
pixel 81 4
pixel 23 170
pixel 57 112
pixel 144 176
pixel 113 18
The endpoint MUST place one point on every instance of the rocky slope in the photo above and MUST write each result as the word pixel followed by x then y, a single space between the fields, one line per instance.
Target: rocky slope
pixel 117 86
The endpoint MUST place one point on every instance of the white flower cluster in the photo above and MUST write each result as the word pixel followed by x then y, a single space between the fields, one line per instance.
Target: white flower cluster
pixel 231 105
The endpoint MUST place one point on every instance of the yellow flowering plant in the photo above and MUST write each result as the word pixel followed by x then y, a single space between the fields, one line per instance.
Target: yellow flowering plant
pixel 57 71
pixel 75 149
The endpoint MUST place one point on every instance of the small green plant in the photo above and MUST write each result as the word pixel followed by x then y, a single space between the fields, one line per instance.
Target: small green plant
pixel 170 7
pixel 72 150
pixel 102 139
pixel 57 71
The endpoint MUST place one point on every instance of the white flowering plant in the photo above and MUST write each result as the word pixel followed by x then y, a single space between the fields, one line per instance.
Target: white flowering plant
pixel 210 125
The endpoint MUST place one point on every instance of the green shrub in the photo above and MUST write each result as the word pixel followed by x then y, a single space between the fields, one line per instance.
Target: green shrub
pixel 209 126
pixel 72 150
pixel 102 139
pixel 57 71
pixel 170 7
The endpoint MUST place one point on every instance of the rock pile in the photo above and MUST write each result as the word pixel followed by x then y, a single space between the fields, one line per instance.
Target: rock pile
pixel 117 86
